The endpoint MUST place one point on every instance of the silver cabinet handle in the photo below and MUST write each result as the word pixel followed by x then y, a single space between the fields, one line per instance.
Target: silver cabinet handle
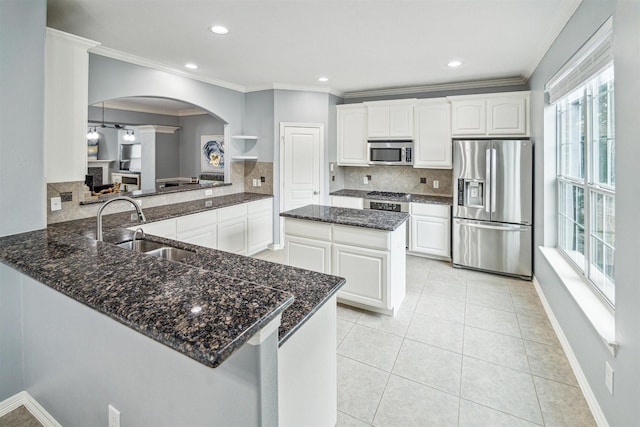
pixel 493 179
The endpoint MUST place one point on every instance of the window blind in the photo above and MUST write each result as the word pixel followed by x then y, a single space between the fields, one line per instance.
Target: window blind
pixel 593 57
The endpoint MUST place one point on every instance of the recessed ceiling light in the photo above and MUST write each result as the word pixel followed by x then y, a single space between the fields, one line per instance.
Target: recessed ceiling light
pixel 323 79
pixel 191 66
pixel 454 64
pixel 219 29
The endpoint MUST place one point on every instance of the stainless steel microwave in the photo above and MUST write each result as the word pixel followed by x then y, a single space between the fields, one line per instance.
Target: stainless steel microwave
pixel 399 153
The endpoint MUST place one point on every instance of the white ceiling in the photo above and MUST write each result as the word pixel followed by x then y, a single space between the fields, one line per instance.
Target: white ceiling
pixel 359 45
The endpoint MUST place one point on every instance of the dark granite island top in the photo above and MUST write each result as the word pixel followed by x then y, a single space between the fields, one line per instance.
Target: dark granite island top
pixel 379 220
pixel 205 307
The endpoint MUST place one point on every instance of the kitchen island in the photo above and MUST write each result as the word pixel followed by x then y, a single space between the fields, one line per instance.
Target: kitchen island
pixel 213 310
pixel 367 247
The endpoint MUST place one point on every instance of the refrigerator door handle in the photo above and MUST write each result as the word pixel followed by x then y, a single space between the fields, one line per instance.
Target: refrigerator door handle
pixel 493 180
pixel 495 227
pixel 488 182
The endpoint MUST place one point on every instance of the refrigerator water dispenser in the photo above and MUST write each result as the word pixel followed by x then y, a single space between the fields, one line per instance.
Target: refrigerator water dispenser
pixel 471 193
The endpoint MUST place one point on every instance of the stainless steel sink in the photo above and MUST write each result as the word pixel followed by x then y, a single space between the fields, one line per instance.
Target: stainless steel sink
pixel 156 249
pixel 170 253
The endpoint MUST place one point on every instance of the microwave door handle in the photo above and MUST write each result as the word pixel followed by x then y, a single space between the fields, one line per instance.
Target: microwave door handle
pixel 403 154
pixel 487 183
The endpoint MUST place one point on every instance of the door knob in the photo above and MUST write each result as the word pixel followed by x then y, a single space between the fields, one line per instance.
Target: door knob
pixel 315 193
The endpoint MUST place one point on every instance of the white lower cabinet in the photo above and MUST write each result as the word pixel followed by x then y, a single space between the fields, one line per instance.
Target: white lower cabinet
pixel 309 254
pixel 431 230
pixel 232 235
pixel 372 261
pixel 366 271
pixel 165 228
pixel 198 229
pixel 259 226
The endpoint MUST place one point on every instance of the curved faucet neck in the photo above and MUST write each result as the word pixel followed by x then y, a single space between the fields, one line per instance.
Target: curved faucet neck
pixel 141 216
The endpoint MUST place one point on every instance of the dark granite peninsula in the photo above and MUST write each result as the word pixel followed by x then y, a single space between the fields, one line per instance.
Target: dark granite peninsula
pixel 367 247
pixel 260 325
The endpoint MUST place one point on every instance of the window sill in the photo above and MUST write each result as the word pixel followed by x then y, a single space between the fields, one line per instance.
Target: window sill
pixel 596 311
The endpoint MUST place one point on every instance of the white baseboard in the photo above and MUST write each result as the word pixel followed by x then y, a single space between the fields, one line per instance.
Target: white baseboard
pixel 24 398
pixel 598 415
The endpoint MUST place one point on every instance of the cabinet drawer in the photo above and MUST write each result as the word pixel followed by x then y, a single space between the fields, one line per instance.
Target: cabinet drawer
pixel 363 237
pixel 196 221
pixel 259 206
pixel 232 212
pixel 440 211
pixel 308 229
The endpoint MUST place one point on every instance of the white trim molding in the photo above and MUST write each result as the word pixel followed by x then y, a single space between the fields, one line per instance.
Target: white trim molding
pixel 596 411
pixel 25 399
pixel 476 84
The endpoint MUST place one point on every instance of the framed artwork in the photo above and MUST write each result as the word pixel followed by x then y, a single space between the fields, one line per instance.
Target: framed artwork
pixel 212 153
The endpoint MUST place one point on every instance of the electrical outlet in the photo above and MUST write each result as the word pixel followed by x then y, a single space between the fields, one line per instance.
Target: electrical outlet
pixel 134 217
pixel 436 184
pixel 66 196
pixel 208 203
pixel 56 204
pixel 208 192
pixel 259 182
pixel 330 167
pixel 608 377
pixel 365 180
pixel 254 182
pixel 423 180
pixel 114 417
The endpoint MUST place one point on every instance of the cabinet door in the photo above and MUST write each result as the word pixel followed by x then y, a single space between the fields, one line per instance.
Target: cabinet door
pixel 232 235
pixel 433 135
pixel 507 115
pixel 430 235
pixel 206 236
pixel 366 273
pixel 166 228
pixel 352 136
pixel 259 232
pixel 401 121
pixel 378 121
pixel 66 89
pixel 309 254
pixel 468 117
pixel 347 202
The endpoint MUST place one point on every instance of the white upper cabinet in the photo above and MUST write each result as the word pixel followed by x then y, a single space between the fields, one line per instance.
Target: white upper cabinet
pixel 493 115
pixel 352 135
pixel 432 145
pixel 66 106
pixel 507 115
pixel 390 119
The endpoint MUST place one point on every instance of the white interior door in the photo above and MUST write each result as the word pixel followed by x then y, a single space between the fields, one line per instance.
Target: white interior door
pixel 302 166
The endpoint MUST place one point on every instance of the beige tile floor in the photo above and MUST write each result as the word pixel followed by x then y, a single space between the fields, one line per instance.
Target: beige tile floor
pixel 465 349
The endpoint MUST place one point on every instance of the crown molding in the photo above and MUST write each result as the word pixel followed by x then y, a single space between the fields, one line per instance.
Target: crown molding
pixel 87 43
pixel 475 84
pixel 285 86
pixel 157 129
pixel 123 105
pixel 138 60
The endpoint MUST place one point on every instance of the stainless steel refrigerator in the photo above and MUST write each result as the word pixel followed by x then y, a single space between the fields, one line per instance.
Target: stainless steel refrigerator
pixel 493 206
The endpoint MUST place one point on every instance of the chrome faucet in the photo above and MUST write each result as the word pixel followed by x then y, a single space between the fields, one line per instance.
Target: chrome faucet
pixel 141 217
pixel 135 235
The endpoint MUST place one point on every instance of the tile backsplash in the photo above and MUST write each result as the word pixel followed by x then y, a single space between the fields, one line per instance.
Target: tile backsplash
pixel 401 179
pixel 258 170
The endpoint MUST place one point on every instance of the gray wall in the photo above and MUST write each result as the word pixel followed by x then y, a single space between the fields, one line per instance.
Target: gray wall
pixel 259 121
pixel 192 128
pixel 22 189
pixel 111 79
pixel 622 408
pixel 22 36
pixel 167 155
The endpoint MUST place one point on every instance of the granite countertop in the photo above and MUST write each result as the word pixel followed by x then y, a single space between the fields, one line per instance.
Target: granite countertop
pixel 414 198
pixel 237 295
pixel 379 220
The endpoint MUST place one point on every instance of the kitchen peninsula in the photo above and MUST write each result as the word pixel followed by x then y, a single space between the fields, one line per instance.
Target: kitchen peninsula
pixel 243 317
pixel 367 247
